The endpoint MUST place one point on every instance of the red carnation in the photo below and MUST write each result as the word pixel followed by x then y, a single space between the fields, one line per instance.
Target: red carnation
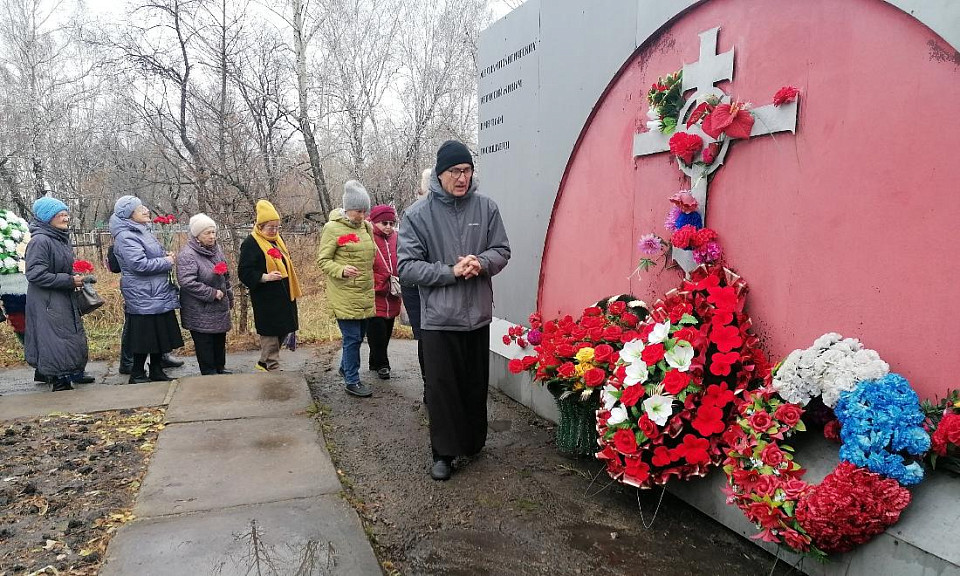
pixel 760 421
pixel 947 432
pixel 594 377
pixel 831 431
pixel 784 95
pixel 685 146
pixel 347 239
pixel 529 362
pixel 506 339
pixel 632 395
pixel 275 254
pixel 682 237
pixel 220 268
pixel 702 237
pixel 675 381
pixel 82 267
pixel 625 441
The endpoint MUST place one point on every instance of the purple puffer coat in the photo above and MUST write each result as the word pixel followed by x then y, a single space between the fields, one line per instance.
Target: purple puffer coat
pixel 144 270
pixel 200 311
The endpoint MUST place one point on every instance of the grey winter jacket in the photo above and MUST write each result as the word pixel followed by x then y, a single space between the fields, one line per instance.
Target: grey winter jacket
pixel 434 234
pixel 144 270
pixel 200 311
pixel 55 342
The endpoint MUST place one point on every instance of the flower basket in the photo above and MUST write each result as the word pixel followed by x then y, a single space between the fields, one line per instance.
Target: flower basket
pixel 577 428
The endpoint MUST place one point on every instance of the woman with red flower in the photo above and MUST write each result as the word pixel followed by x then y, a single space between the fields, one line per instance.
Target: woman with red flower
pixel 206 295
pixel 346 256
pixel 266 269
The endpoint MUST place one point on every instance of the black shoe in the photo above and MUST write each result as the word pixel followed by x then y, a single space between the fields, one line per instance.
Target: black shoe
pixel 223 371
pixel 384 373
pixel 38 377
pixel 359 389
pixel 83 379
pixel 140 378
pixel 169 361
pixel 158 375
pixel 62 385
pixel 123 369
pixel 441 470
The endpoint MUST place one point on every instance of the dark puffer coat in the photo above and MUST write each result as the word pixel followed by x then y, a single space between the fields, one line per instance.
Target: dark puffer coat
pixel 273 312
pixel 200 311
pixel 55 343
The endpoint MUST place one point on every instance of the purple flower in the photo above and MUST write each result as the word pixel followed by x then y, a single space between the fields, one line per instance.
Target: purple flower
pixel 650 244
pixel 534 337
pixel 708 253
pixel 671 222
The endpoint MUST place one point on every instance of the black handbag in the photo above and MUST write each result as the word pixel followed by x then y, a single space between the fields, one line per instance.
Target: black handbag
pixel 88 299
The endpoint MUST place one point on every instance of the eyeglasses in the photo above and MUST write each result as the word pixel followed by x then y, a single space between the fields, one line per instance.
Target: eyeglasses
pixel 458 172
pixel 275 228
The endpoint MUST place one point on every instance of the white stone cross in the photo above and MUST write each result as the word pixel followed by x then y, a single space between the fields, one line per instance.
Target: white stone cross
pixel 701 77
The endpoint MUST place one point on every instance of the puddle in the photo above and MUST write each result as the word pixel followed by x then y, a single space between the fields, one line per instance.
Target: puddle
pixel 275 392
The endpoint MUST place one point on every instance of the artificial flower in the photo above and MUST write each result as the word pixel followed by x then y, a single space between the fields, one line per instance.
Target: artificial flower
pixel 784 95
pixel 650 244
pixel 658 408
pixel 618 414
pixel 220 268
pixel 734 120
pixel 670 223
pixel 698 113
pixel 275 253
pixel 594 377
pixel 680 356
pixel 631 395
pixel 681 238
pixel 632 352
pixel 82 267
pixel 710 153
pixel 660 332
pixel 685 201
pixel 684 146
pixel 636 373
pixel 347 239
pixel 675 381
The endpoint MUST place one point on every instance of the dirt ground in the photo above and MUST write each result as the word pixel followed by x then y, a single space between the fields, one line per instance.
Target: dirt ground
pixel 66 483
pixel 518 508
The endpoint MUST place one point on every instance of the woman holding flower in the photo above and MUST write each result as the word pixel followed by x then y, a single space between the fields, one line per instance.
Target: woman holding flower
pixel 206 295
pixel 149 296
pixel 266 269
pixel 346 256
pixel 55 342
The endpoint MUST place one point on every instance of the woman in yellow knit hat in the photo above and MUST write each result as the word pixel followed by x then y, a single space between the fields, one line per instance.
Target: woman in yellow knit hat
pixel 266 269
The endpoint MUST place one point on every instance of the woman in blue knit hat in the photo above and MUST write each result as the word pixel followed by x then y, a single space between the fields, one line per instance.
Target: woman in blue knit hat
pixel 55 343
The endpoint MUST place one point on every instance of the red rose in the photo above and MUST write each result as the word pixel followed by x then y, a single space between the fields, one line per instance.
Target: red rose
pixel 566 349
pixel 275 254
pixel 632 395
pixel 763 514
pixel 760 421
pixel 652 354
pixel 709 420
pixel 603 353
pixel 795 540
pixel 685 146
pixel 515 366
pixel 688 334
pixel 529 362
pixel 625 441
pixel 506 340
pixel 789 414
pixel 592 311
pixel 616 308
pixel 648 426
pixel 612 333
pixel 784 95
pixel 594 377
pixel 629 319
pixel 794 488
pixel 220 268
pixel 831 431
pixel 675 381
pixel 772 455
pixel 567 370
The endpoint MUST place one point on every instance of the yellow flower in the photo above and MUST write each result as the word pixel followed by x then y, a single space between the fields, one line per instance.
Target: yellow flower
pixel 581 368
pixel 584 355
pixel 956 404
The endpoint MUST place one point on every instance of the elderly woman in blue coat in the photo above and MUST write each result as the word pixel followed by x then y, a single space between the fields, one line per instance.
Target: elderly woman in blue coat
pixel 149 296
pixel 55 343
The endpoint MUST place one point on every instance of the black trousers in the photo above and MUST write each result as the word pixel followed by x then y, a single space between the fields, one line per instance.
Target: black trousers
pixel 126 356
pixel 457 372
pixel 211 351
pixel 378 338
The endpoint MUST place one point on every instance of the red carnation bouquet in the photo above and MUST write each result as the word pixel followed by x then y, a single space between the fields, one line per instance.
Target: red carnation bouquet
pixel 672 394
pixel 220 268
pixel 82 267
pixel 578 356
pixel 943 424
pixel 347 239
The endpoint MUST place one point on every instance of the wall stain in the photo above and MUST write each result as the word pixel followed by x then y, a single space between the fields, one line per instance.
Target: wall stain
pixel 940 54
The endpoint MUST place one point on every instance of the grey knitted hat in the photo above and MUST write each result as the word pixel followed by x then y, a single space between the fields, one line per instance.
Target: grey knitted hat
pixel 355 196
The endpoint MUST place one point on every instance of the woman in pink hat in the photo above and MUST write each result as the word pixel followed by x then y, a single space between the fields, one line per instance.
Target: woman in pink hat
pixel 386 286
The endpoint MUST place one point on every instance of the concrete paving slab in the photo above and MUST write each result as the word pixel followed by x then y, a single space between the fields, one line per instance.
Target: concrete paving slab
pixel 209 465
pixel 91 398
pixel 290 535
pixel 231 396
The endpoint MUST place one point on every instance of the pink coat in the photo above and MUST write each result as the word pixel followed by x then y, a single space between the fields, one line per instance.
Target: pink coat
pixel 385 265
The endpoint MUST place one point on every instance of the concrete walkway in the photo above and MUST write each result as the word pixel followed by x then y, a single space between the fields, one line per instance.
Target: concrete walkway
pixel 240 483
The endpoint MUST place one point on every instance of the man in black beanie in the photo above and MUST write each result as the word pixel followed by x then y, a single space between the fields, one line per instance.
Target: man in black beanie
pixel 450 245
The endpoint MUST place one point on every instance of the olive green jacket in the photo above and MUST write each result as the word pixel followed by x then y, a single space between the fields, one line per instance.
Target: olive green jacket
pixel 349 298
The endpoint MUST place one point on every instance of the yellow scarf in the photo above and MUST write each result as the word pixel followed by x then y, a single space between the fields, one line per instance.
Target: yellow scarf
pixel 275 264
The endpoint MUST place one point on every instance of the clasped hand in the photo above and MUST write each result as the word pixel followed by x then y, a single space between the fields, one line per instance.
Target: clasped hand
pixel 467 267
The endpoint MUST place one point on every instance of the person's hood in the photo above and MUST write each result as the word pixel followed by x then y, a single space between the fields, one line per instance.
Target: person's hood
pixel 118 225
pixel 39 228
pixel 444 196
pixel 339 215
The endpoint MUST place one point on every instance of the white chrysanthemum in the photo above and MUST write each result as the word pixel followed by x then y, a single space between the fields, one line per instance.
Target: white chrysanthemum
pixel 617 415
pixel 680 356
pixel 631 351
pixel 9 245
pixel 659 333
pixel 636 373
pixel 867 365
pixel 848 346
pixel 659 408
pixel 16 235
pixel 826 341
pixel 9 263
